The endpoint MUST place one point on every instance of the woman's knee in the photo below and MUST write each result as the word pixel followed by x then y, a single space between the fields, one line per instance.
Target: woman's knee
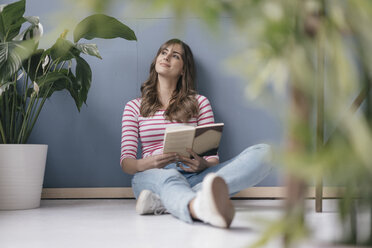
pixel 261 150
pixel 259 156
pixel 158 176
pixel 171 175
pixel 262 146
pixel 153 179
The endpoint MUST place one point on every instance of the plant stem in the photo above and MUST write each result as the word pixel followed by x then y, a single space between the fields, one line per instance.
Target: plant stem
pixel 37 67
pixel 25 80
pixel 6 115
pixel 368 100
pixel 353 223
pixel 34 119
pixel 2 111
pixel 13 111
pixel 55 63
pixel 369 242
pixel 2 134
pixel 320 116
pixel 32 114
pixel 25 120
pixel 30 118
pixel 62 65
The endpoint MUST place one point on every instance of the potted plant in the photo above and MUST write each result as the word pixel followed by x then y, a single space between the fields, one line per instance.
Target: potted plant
pixel 28 76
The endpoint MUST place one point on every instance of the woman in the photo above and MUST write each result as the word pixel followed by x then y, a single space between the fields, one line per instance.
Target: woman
pixel 189 189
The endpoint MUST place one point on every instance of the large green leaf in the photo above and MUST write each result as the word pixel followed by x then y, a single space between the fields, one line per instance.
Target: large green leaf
pixel 83 78
pixel 63 50
pixel 102 26
pixel 11 20
pixel 12 55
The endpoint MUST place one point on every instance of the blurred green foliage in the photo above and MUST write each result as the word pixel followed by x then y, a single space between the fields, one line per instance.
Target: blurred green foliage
pixel 321 49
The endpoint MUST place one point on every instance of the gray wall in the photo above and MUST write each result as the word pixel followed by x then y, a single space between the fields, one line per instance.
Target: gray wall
pixel 84 148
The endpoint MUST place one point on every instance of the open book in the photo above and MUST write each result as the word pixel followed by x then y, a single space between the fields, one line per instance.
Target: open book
pixel 204 140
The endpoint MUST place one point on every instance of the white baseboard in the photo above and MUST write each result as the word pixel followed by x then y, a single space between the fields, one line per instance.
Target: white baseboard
pixel 126 192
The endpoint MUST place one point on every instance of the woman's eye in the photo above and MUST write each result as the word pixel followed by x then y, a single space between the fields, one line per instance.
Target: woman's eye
pixel 176 56
pixel 163 53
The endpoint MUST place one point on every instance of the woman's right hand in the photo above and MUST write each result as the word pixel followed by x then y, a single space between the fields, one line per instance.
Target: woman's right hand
pixel 161 160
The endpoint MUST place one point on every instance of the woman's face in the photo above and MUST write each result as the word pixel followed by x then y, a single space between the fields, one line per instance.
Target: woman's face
pixel 169 62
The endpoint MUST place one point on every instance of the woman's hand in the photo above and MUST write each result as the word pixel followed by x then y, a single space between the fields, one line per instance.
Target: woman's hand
pixel 196 165
pixel 161 160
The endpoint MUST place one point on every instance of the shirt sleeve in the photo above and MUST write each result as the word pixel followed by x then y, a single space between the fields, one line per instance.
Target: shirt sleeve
pixel 129 131
pixel 205 117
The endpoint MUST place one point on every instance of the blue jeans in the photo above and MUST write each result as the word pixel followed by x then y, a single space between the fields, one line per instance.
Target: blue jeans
pixel 177 188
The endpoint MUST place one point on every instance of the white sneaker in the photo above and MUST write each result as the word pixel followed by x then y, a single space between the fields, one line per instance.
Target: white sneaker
pixel 212 204
pixel 149 203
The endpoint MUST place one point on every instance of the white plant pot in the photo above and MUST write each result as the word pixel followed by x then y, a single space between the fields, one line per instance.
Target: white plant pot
pixel 21 175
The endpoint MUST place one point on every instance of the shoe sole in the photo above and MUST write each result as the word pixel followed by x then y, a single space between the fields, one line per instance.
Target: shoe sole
pixel 142 198
pixel 223 207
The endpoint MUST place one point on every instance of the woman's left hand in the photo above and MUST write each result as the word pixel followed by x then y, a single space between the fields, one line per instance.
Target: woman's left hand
pixel 195 165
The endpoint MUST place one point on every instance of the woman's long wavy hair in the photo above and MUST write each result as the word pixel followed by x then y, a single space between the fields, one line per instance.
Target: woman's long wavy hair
pixel 183 104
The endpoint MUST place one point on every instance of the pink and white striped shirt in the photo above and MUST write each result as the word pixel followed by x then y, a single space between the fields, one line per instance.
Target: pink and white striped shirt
pixel 150 130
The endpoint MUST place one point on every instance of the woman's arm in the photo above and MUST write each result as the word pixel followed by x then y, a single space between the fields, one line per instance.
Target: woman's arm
pixel 132 166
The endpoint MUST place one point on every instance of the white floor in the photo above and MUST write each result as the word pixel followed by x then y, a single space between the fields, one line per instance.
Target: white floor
pixel 114 223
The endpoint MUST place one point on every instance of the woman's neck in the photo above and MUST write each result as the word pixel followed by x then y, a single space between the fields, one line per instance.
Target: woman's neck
pixel 166 87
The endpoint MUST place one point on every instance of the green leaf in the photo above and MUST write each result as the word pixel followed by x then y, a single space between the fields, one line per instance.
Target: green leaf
pixel 58 80
pixel 31 64
pixel 102 26
pixel 63 50
pixel 51 77
pixel 74 89
pixel 90 49
pixel 83 78
pixel 12 55
pixel 14 29
pixel 11 20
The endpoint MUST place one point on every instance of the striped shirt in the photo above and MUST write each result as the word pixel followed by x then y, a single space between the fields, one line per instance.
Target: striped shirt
pixel 150 130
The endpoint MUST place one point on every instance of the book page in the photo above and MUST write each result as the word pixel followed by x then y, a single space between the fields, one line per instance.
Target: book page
pixel 177 140
pixel 208 141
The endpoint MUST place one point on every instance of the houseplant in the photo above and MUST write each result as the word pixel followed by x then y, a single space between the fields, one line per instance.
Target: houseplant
pixel 28 76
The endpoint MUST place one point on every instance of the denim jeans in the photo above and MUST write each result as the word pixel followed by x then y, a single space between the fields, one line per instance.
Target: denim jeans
pixel 177 188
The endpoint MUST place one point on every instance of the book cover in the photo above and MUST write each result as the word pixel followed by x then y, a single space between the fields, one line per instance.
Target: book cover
pixel 204 140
